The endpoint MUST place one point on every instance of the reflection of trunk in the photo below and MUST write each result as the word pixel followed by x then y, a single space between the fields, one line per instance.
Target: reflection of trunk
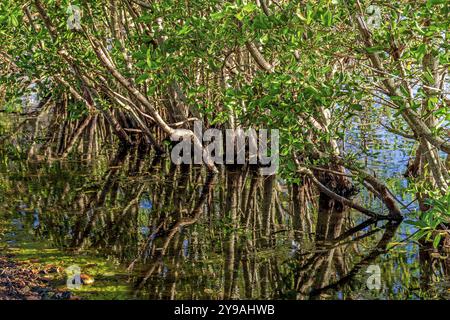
pixel 233 190
pixel 251 199
pixel 229 267
pixel 329 222
pixel 268 196
pixel 264 280
pixel 92 211
pixel 246 272
pixel 301 219
pixel 168 235
pixel 425 268
pixel 180 197
pixel 329 227
pixel 169 290
pixel 379 249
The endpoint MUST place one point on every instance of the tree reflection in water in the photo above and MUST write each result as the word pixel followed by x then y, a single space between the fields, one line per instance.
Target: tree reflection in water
pixel 182 233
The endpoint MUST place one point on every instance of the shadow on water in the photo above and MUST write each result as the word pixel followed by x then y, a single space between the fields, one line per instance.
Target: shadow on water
pixel 180 233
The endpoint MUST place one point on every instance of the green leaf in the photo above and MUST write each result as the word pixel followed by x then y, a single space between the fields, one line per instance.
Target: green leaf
pixel 217 15
pixel 435 2
pixel 250 7
pixel 374 49
pixel 239 16
pixel 357 107
pixel 428 76
pixel 327 18
pixel 404 91
pixel 437 240
pixel 142 78
pixel 148 58
pixel 185 30
pixel 417 223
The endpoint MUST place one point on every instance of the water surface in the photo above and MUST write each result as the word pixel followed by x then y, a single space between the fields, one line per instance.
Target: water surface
pixel 147 229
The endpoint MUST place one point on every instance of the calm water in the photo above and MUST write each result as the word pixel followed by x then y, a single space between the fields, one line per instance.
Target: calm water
pixel 166 232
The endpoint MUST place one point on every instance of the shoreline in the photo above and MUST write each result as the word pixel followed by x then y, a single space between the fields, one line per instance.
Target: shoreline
pixel 19 281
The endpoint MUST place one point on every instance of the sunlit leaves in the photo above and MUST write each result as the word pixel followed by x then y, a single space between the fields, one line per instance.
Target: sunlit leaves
pixel 431 220
pixel 10 14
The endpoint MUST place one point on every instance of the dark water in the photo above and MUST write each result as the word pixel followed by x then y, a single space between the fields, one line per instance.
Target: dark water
pixel 167 232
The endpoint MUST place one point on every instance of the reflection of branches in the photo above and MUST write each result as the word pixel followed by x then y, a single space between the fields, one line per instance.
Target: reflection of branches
pixel 355 229
pixel 380 248
pixel 97 201
pixel 182 222
pixel 316 267
pixel 110 217
pixel 111 228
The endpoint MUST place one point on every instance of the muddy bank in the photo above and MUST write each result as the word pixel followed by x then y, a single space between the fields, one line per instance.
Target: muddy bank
pixel 19 281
